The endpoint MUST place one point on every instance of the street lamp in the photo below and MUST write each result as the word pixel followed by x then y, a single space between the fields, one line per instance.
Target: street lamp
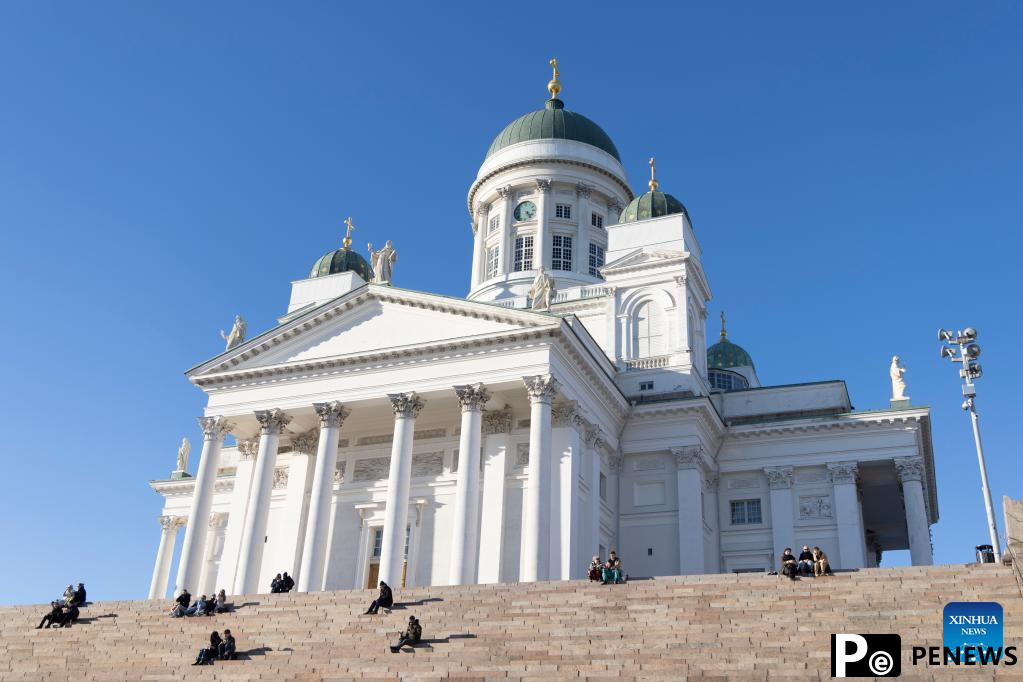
pixel 961 347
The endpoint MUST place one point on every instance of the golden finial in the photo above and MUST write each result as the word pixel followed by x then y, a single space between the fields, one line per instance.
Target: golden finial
pixel 653 175
pixel 348 233
pixel 722 324
pixel 554 87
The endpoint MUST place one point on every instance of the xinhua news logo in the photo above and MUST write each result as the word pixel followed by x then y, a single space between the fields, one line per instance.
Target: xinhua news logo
pixel 866 655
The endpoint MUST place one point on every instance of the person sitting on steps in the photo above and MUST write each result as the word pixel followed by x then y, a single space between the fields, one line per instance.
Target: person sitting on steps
pixel 181 604
pixel 413 633
pixel 612 571
pixel 805 563
pixel 227 647
pixel 596 569
pixel 287 583
pixel 70 616
pixel 69 595
pixel 54 617
pixel 788 564
pixel 79 599
pixel 220 605
pixel 386 599
pixel 276 584
pixel 207 655
pixel 199 607
pixel 821 566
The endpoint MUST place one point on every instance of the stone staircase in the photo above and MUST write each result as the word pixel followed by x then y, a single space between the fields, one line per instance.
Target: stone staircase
pixel 747 626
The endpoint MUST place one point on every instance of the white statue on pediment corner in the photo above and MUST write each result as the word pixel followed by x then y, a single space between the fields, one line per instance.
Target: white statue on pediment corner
pixel 237 335
pixel 183 451
pixel 897 372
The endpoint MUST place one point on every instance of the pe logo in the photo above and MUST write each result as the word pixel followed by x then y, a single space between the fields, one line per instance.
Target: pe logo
pixel 866 655
pixel 977 625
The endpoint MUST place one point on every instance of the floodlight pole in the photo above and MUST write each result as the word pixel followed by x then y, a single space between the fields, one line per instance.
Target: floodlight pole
pixel 970 390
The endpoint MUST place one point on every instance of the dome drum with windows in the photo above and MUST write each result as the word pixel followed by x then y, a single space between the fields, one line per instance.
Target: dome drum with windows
pixel 729 366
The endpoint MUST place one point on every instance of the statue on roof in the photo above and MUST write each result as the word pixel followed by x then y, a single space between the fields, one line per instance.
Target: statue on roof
pixel 382 262
pixel 897 371
pixel 183 451
pixel 542 291
pixel 237 335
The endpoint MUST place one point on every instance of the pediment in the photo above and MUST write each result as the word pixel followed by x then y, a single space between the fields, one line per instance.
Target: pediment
pixel 643 257
pixel 374 319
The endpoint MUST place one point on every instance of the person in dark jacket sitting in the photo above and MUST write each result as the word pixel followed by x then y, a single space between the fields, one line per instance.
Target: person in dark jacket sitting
pixel 276 584
pixel 79 599
pixel 181 604
pixel 805 563
pixel 207 655
pixel 227 649
pixel 788 564
pixel 54 617
pixel 287 583
pixel 411 636
pixel 386 599
pixel 71 614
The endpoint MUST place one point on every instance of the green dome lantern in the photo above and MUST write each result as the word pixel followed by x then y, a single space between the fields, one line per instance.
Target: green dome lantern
pixel 342 260
pixel 553 122
pixel 653 204
pixel 724 354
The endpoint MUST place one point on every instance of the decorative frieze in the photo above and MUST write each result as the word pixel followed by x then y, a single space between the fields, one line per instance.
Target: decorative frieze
pixel 427 464
pixel 814 507
pixel 406 405
pixel 522 455
pixel 339 472
pixel 374 469
pixel 910 468
pixel 541 388
pixel 779 478
pixel 280 478
pixel 332 414
pixel 743 483
pixel 214 428
pixel 472 397
pixel 272 421
pixel 647 464
pixel 812 477
pixel 497 421
pixel 843 472
pixel 376 440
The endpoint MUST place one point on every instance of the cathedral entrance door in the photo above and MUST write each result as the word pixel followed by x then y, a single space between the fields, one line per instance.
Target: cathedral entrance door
pixel 373 565
pixel 373 575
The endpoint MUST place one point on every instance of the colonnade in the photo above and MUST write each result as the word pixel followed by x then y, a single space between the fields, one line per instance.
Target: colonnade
pixel 311 552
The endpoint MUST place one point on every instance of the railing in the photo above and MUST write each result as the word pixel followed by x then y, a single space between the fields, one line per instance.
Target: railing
pixel 1017 569
pixel 647 363
pixel 580 293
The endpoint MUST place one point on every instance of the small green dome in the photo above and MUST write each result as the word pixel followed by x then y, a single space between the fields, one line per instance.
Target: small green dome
pixel 342 260
pixel 724 354
pixel 554 121
pixel 653 204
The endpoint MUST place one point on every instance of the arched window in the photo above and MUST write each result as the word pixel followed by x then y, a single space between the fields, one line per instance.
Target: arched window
pixel 648 331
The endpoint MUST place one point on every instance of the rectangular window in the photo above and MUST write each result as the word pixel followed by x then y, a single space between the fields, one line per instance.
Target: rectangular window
pixel 746 512
pixel 563 211
pixel 378 541
pixel 493 261
pixel 646 385
pixel 603 487
pixel 596 259
pixel 523 254
pixel 561 253
pixel 495 223
pixel 596 220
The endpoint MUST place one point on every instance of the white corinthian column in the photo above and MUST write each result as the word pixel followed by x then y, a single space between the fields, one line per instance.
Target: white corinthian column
pixel 314 555
pixel 536 512
pixel 271 423
pixel 911 475
pixel 406 409
pixel 190 563
pixel 472 398
pixel 169 526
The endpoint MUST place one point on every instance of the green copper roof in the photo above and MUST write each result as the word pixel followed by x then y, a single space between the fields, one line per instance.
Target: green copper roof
pixel 652 205
pixel 725 354
pixel 342 260
pixel 554 121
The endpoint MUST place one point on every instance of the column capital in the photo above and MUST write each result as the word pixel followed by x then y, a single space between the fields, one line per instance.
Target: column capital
pixel 583 191
pixel 306 442
pixel 218 519
pixel 779 478
pixel 332 414
pixel 711 481
pixel 406 405
pixel 909 468
pixel 497 421
pixel 169 523
pixel 543 185
pixel 591 435
pixel 272 421
pixel 472 397
pixel 215 428
pixel 505 191
pixel 541 388
pixel 688 456
pixel 615 463
pixel 565 414
pixel 844 472
pixel 613 204
pixel 481 209
pixel 247 449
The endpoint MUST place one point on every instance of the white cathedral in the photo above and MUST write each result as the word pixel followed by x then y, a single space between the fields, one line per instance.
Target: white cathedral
pixel 567 406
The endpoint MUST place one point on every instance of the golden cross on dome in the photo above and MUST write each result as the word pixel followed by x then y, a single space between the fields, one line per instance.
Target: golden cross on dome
pixel 348 233
pixel 653 175
pixel 554 87
pixel 722 324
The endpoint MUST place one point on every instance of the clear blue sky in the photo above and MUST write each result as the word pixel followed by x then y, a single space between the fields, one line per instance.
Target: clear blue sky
pixel 853 174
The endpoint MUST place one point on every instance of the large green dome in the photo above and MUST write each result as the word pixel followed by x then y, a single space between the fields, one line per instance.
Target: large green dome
pixel 653 204
pixel 342 260
pixel 724 355
pixel 555 122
